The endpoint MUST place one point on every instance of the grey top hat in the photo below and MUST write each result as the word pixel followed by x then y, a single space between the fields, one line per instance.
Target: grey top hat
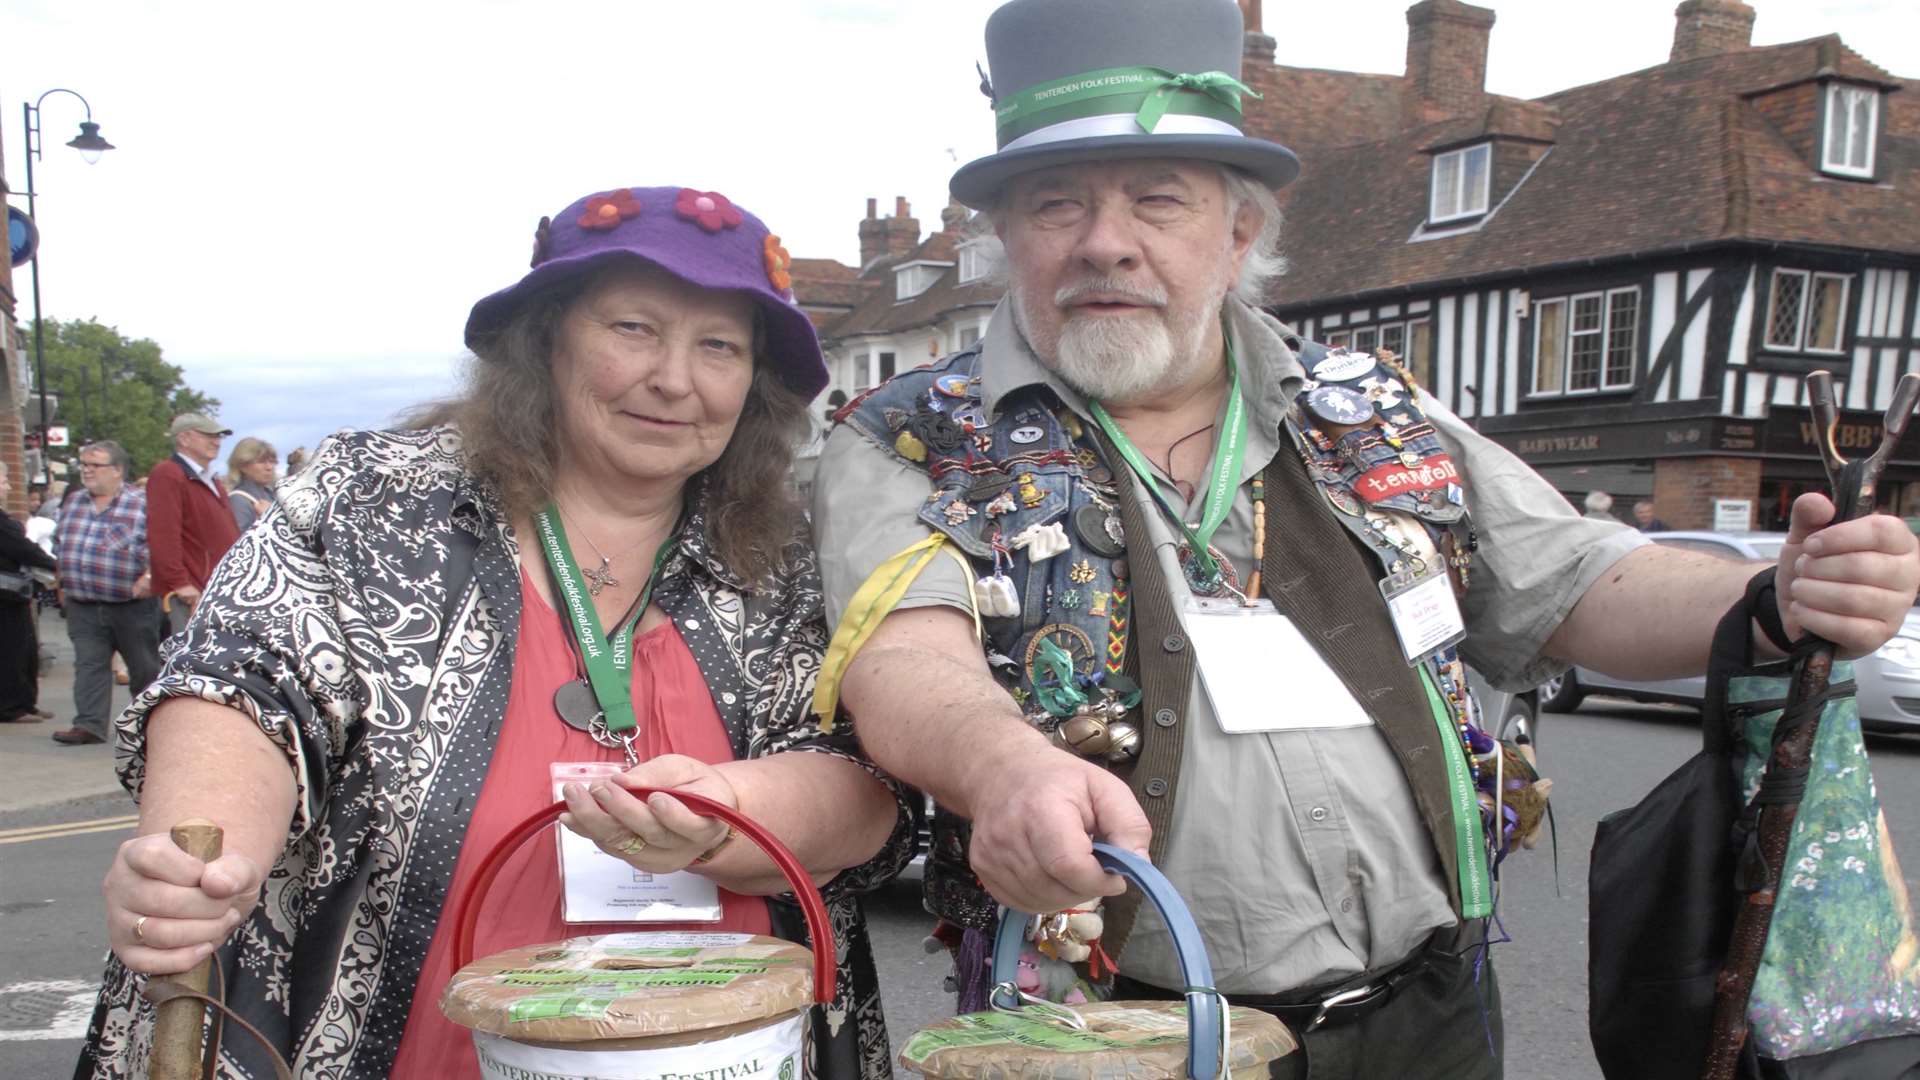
pixel 1094 80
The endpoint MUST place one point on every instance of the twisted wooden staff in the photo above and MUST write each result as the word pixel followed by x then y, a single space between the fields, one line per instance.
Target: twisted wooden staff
pixel 1853 486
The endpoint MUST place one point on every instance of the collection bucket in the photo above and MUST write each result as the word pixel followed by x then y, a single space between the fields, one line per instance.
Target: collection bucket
pixel 638 1006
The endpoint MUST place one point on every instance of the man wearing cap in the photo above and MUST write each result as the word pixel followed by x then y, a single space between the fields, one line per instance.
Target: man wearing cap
pixel 1226 581
pixel 189 525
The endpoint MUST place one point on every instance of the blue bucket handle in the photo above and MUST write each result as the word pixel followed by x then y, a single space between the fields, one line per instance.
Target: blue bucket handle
pixel 1205 1019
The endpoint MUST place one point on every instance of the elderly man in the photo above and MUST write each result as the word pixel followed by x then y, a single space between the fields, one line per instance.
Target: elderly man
pixel 1241 570
pixel 189 522
pixel 102 538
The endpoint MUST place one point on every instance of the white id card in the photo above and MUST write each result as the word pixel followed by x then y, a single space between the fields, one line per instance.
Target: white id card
pixel 1240 649
pixel 1425 615
pixel 598 888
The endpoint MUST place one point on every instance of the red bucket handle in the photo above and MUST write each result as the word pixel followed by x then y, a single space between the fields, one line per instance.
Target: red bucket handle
pixel 819 927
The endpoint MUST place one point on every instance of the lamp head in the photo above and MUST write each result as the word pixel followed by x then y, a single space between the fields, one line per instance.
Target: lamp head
pixel 89 142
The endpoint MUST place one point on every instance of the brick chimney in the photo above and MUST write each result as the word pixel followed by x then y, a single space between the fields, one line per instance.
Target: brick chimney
pixel 873 235
pixel 1446 60
pixel 1709 28
pixel 903 229
pixel 1250 15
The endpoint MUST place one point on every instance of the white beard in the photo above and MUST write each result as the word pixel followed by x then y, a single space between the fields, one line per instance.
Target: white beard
pixel 1120 358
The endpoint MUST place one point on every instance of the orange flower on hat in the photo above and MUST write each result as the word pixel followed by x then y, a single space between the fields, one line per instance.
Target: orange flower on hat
pixel 778 264
pixel 605 211
pixel 710 210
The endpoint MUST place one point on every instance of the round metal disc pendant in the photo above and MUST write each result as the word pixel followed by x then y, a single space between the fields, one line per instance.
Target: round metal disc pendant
pixel 575 703
pixel 1097 529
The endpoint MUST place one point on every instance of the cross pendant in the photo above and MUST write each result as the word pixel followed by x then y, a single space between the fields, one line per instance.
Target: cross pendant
pixel 601 578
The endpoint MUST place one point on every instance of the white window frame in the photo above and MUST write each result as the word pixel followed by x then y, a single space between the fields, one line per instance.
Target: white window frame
pixel 973 262
pixel 1466 204
pixel 1845 95
pixel 1567 333
pixel 1808 279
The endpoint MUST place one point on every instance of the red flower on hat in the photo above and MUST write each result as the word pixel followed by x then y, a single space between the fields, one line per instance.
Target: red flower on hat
pixel 710 210
pixel 778 264
pixel 605 211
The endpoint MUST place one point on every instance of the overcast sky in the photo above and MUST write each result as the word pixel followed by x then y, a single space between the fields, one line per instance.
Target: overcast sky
pixel 306 199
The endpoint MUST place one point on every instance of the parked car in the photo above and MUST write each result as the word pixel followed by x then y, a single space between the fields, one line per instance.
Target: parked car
pixel 1888 681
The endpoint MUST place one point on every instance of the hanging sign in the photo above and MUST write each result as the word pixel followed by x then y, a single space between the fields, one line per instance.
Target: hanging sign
pixel 23 237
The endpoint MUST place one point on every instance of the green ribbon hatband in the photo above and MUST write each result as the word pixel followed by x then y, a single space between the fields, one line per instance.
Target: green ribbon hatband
pixel 1149 93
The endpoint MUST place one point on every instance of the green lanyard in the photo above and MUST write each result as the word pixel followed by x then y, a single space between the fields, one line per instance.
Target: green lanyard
pixel 606 661
pixel 1223 478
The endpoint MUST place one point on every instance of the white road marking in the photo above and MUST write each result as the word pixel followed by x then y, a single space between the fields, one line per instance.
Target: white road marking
pixel 69 1023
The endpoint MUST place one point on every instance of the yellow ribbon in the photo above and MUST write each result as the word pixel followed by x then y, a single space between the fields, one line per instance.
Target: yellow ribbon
pixel 871 604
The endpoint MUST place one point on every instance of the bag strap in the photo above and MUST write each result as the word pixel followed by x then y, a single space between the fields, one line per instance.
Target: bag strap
pixel 1732 654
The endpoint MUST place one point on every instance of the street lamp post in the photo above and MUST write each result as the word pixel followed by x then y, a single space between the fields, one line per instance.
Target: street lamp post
pixel 91 146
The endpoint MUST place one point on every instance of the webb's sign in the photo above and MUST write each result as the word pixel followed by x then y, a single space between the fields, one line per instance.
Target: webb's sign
pixel 1787 433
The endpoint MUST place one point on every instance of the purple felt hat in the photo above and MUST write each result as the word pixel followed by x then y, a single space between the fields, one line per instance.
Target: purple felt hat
pixel 699 237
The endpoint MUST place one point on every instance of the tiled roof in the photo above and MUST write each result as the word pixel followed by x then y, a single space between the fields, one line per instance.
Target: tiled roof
pixel 1674 156
pixel 876 311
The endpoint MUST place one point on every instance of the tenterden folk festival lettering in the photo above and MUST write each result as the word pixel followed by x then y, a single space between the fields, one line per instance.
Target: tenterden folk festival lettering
pixel 1389 480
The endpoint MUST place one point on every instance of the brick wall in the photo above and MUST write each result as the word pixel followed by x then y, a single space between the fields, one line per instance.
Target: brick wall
pixel 1684 488
pixel 11 358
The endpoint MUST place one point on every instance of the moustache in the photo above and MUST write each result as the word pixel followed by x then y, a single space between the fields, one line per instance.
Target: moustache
pixel 1113 290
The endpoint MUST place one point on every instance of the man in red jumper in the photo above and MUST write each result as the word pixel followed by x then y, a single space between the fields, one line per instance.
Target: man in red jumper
pixel 189 523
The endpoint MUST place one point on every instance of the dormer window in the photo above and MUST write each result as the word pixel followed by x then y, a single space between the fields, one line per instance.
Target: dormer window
pixel 973 261
pixel 913 278
pixel 1852 125
pixel 1460 183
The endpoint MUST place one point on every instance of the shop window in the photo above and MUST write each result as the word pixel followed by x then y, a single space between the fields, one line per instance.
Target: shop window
pixel 1806 311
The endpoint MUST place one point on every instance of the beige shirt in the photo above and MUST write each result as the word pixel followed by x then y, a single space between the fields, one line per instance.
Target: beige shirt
pixel 1325 868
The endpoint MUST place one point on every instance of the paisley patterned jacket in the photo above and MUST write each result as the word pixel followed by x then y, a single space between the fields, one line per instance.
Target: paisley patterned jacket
pixel 367 626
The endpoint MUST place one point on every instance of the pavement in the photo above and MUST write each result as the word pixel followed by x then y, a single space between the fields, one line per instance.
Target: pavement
pixel 38 771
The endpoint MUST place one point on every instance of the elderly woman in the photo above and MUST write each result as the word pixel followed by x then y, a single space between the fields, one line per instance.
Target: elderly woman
pixel 250 466
pixel 592 556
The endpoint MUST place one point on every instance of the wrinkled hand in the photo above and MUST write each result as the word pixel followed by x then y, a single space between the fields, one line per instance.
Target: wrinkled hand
pixel 670 836
pixel 1851 583
pixel 190 906
pixel 187 594
pixel 1034 823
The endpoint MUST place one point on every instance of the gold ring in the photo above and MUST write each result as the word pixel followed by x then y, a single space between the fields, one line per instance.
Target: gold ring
pixel 634 844
pixel 140 929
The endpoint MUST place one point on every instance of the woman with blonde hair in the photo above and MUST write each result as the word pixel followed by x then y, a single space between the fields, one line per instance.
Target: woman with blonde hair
pixel 250 469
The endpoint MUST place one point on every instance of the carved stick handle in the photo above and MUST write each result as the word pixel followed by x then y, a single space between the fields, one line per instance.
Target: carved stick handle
pixel 178 1043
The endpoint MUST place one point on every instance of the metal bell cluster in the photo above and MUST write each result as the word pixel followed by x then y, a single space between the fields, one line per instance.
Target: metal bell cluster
pixel 1099 730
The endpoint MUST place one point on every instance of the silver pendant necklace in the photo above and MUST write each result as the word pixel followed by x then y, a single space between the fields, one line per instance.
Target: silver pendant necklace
pixel 600 578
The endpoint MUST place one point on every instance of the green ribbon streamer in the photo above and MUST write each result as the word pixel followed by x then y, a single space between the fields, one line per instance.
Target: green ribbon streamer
pixel 1476 900
pixel 1147 92
pixel 1055 664
pixel 1223 478
pixel 606 661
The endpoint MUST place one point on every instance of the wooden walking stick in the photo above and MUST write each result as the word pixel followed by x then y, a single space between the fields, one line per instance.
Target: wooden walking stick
pixel 178 1042
pixel 1780 792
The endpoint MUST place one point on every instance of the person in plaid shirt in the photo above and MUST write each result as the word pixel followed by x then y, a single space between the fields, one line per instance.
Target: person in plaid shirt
pixel 102 540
